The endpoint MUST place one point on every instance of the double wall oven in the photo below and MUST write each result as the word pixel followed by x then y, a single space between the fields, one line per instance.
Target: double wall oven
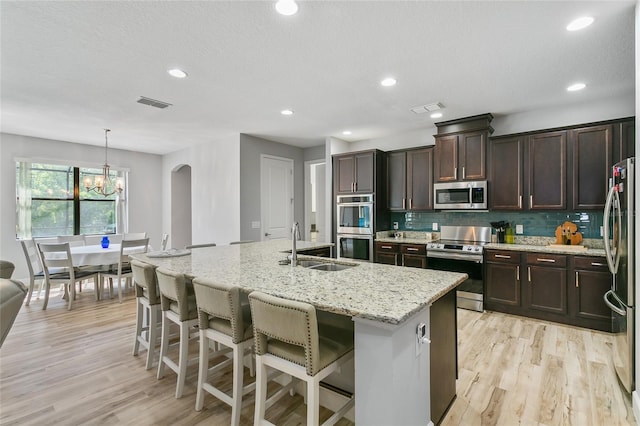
pixel 460 249
pixel 354 227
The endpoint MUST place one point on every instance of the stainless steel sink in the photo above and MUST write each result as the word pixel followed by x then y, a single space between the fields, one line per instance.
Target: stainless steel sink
pixel 319 265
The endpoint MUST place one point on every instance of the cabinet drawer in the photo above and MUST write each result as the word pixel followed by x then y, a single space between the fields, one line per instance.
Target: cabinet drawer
pixel 418 249
pixel 591 263
pixel 545 259
pixel 502 256
pixel 388 247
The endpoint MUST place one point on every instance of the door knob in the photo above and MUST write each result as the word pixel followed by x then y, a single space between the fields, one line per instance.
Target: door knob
pixel 266 234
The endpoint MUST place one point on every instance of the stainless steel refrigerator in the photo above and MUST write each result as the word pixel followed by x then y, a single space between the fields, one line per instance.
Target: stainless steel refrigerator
pixel 619 244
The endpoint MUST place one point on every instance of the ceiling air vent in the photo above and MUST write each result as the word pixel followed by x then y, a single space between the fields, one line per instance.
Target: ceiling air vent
pixel 153 102
pixel 427 108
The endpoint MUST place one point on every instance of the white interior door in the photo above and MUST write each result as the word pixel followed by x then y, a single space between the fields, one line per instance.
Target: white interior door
pixel 276 197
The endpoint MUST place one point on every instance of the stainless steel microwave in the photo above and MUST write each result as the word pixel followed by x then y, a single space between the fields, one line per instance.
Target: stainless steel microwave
pixel 471 195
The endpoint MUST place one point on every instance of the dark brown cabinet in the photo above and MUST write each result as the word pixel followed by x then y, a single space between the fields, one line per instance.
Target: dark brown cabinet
pixel 414 255
pixel 460 157
pixel 443 352
pixel 592 160
pixel 502 278
pixel 354 173
pixel 625 138
pixel 547 171
pixel 320 252
pixel 590 279
pixel 546 288
pixel 388 253
pixel 506 174
pixel 409 180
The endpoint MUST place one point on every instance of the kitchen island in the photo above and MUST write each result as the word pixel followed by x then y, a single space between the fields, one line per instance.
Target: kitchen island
pixel 387 305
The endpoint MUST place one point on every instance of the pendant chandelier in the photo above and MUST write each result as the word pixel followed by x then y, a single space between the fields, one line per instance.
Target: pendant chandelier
pixel 104 184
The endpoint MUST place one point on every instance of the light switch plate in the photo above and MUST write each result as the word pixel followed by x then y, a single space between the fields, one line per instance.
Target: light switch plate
pixel 434 226
pixel 519 229
pixel 255 224
pixel 395 225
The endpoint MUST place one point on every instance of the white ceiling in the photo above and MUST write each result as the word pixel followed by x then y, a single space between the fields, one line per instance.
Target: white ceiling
pixel 71 68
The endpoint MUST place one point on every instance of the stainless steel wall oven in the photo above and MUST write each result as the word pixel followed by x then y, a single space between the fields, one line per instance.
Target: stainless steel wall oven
pixel 355 222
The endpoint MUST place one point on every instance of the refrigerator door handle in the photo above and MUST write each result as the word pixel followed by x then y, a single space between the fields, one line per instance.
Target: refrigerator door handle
pixel 613 258
pixel 614 308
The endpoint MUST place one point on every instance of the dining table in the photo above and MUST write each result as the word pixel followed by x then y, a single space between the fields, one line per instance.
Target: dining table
pixel 96 255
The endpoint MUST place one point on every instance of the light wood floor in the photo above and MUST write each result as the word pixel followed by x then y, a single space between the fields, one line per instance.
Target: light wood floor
pixel 75 367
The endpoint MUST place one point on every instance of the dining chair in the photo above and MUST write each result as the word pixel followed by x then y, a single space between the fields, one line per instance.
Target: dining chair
pixel 288 337
pixel 6 269
pixel 58 255
pixel 134 235
pixel 123 268
pixel 34 265
pixel 73 240
pixel 225 321
pixel 148 309
pixel 193 246
pixel 178 302
pixel 164 241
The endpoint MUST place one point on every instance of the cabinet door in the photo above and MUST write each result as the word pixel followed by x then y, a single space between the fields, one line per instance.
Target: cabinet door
pixel 502 282
pixel 387 253
pixel 420 179
pixel 364 172
pixel 445 165
pixel 546 289
pixel 473 148
pixel 627 140
pixel 344 173
pixel 590 287
pixel 396 180
pixel 592 160
pixel 506 174
pixel 414 261
pixel 547 174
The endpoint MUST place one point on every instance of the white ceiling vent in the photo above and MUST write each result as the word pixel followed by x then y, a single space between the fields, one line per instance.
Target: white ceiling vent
pixel 427 108
pixel 153 102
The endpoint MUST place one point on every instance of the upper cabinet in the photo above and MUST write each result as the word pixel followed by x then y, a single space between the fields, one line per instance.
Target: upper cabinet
pixel 409 180
pixel 506 175
pixel 461 147
pixel 547 176
pixel 354 172
pixel 592 161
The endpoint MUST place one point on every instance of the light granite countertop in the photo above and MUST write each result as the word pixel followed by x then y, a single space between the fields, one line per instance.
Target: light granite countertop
pixel 373 291
pixel 546 249
pixel 408 237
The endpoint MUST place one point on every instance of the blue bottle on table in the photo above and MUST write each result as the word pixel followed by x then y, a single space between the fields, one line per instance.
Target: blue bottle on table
pixel 105 242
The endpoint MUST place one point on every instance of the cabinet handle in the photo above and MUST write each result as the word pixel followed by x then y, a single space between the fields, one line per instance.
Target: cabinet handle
pixel 412 249
pixel 355 186
pixel 403 202
pixel 597 264
pixel 529 273
pixel 385 247
pixel 502 256
pixel 530 200
pixel 546 260
pixel 519 201
pixel 463 173
pixel 518 273
pixel 455 173
pixel 577 280
pixel 410 203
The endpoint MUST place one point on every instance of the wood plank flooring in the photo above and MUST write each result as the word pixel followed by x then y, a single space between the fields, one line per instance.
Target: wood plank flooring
pixel 75 367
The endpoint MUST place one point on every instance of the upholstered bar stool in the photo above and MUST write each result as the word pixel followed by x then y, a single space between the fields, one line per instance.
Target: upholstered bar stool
pixel 224 320
pixel 147 309
pixel 178 304
pixel 288 338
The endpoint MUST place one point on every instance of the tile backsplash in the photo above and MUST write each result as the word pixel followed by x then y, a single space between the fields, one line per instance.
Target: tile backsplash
pixel 542 224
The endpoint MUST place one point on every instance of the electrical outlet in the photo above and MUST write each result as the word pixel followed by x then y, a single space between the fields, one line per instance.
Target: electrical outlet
pixel 395 226
pixel 601 231
pixel 434 226
pixel 519 229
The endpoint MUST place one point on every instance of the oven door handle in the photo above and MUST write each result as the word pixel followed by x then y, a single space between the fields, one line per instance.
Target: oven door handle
pixel 455 256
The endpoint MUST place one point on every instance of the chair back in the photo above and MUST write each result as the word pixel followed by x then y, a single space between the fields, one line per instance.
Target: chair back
pixel 134 235
pixel 193 246
pixel 220 308
pixel 144 278
pixel 56 255
pixel 164 241
pixel 174 294
pixel 287 329
pixel 73 240
pixel 32 256
pixel 6 269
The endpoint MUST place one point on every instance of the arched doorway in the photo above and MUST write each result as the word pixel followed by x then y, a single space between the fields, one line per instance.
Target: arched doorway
pixel 180 235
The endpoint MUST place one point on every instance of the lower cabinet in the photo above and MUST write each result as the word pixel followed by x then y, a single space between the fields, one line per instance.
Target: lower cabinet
pixel 321 252
pixel 443 354
pixel 563 288
pixel 412 255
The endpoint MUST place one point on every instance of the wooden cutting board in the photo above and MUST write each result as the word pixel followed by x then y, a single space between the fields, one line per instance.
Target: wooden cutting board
pixel 568 231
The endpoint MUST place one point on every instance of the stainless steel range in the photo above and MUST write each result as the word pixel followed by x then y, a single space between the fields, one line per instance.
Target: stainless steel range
pixel 459 249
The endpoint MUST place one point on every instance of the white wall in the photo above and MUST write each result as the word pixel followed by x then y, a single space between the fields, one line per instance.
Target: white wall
pixel 143 189
pixel 215 189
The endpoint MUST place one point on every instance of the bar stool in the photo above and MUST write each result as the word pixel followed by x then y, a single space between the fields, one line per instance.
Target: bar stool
pixel 226 321
pixel 287 338
pixel 147 307
pixel 179 306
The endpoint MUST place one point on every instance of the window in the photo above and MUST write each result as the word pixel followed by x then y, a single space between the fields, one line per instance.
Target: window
pixel 51 200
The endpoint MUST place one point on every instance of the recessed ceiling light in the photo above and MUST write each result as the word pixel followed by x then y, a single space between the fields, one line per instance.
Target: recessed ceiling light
pixel 286 7
pixel 286 112
pixel 346 132
pixel 177 73
pixel 389 81
pixel 575 87
pixel 436 115
pixel 580 23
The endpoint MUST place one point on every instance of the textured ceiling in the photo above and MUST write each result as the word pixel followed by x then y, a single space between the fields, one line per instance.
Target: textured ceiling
pixel 71 68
